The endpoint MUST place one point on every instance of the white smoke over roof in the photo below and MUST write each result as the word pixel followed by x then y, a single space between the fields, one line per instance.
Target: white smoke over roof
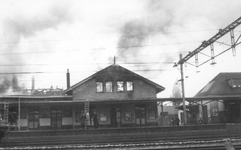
pixel 17 29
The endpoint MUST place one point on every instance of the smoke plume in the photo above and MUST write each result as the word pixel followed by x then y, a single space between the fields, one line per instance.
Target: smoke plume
pixel 25 27
pixel 133 45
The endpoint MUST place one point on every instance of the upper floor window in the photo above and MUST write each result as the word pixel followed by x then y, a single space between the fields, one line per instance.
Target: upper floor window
pixel 129 86
pixel 108 86
pixel 120 86
pixel 99 87
pixel 235 83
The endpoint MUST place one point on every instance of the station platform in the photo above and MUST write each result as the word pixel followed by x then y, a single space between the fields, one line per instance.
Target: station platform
pixel 121 130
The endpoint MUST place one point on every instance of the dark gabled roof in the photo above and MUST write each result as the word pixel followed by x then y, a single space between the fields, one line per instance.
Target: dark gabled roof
pixel 112 68
pixel 219 86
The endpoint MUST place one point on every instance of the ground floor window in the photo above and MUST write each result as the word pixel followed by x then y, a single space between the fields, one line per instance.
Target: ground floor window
pixel 45 112
pixel 67 111
pixel 23 113
pixel 128 116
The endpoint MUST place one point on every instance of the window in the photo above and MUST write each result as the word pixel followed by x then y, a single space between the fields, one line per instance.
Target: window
pixel 129 86
pixel 103 117
pixel 120 86
pixel 45 112
pixel 214 112
pixel 108 86
pixel 152 115
pixel 128 116
pixel 23 114
pixel 99 87
pixel 235 83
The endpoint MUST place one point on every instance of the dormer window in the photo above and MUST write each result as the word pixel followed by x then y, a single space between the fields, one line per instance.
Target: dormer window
pixel 129 86
pixel 108 87
pixel 111 86
pixel 120 86
pixel 235 83
pixel 99 87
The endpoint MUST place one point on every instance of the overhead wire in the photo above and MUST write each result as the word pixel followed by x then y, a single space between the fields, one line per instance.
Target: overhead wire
pixel 142 63
pixel 98 49
pixel 134 46
pixel 102 37
pixel 126 63
pixel 57 72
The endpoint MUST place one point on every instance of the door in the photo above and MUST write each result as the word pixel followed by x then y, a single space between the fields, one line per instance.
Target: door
pixel 113 121
pixel 115 116
pixel 33 119
pixel 56 117
pixel 205 114
pixel 140 115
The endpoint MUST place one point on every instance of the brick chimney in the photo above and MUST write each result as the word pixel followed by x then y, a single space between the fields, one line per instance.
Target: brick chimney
pixel 68 78
pixel 33 85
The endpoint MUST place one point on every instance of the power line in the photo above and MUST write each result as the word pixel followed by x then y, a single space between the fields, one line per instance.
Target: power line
pixel 60 72
pixel 122 36
pixel 98 49
pixel 127 63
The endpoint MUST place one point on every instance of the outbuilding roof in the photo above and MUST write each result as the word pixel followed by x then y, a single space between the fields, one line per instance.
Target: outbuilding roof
pixel 224 84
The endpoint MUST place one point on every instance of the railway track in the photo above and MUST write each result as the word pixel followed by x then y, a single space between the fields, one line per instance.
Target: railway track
pixel 157 140
pixel 197 145
pixel 191 137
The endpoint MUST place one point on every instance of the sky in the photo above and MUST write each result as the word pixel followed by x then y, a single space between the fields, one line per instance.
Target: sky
pixel 45 38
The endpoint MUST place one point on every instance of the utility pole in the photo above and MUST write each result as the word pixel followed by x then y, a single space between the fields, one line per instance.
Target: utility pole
pixel 19 113
pixel 183 94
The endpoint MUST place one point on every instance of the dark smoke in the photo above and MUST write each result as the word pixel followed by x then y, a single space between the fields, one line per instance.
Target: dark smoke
pixel 10 84
pixel 4 85
pixel 158 19
pixel 135 35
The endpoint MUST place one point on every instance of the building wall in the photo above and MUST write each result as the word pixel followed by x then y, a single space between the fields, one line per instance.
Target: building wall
pixel 103 111
pixel 128 114
pixel 44 122
pixel 151 112
pixel 88 91
pixel 128 108
pixel 215 111
pixel 67 121
pixel 23 122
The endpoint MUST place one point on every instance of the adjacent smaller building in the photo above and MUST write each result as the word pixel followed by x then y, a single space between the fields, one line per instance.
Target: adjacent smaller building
pixel 224 105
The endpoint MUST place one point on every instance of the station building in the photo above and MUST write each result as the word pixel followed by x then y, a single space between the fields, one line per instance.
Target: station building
pixel 120 98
